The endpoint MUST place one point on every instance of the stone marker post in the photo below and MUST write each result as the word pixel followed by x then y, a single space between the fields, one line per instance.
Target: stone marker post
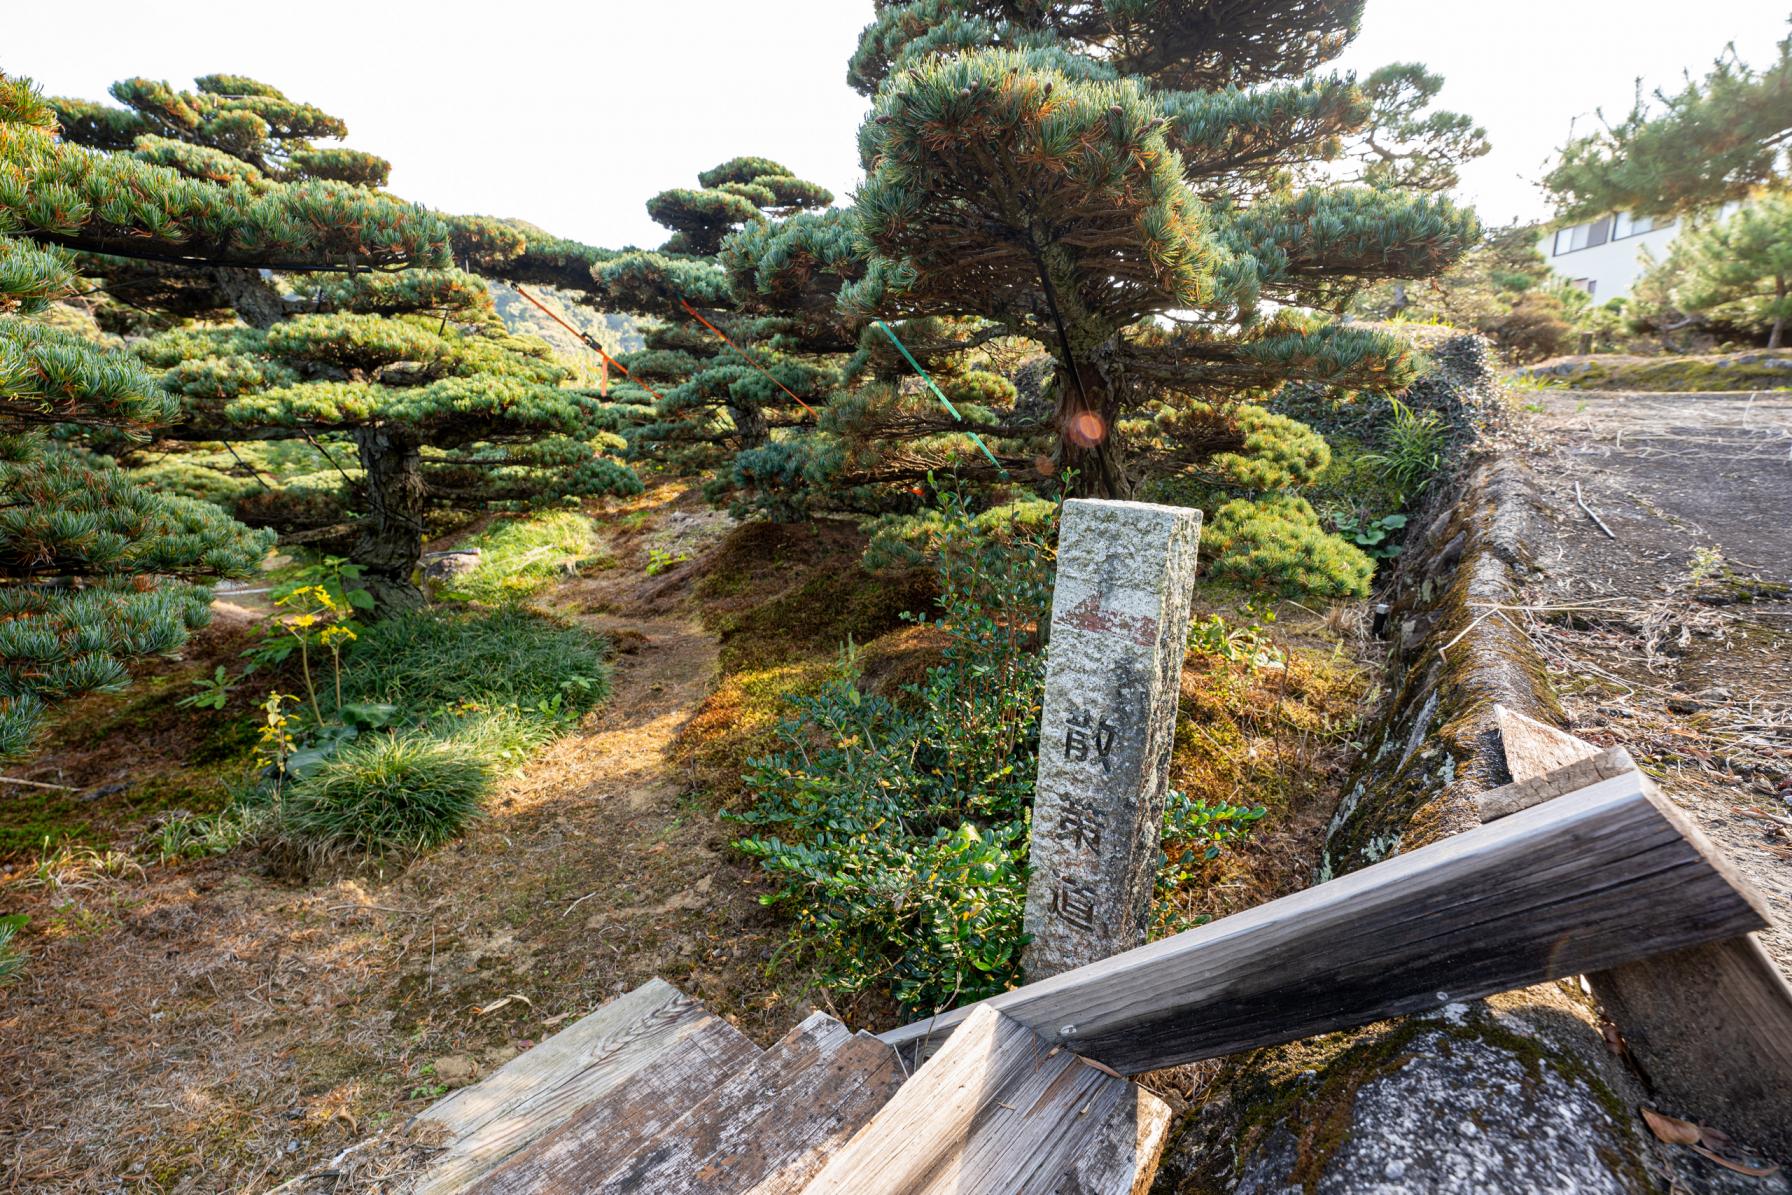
pixel 1126 573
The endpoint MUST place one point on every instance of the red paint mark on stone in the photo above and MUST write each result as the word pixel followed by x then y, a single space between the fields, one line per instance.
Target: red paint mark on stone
pixel 1087 615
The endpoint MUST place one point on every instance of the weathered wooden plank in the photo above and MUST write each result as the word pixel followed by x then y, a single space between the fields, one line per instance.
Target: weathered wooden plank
pixel 1710 1025
pixel 652 1032
pixel 1533 748
pixel 1506 800
pixel 1001 1111
pixel 1604 876
pixel 765 1128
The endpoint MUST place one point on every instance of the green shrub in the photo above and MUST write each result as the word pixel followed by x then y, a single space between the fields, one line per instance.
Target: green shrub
pixel 519 557
pixel 896 830
pixel 429 661
pixel 407 791
pixel 1277 543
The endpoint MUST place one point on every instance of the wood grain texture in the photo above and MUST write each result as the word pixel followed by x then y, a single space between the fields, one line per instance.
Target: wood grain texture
pixel 1001 1111
pixel 1605 876
pixel 765 1128
pixel 1506 800
pixel 1534 748
pixel 1710 1025
pixel 649 1031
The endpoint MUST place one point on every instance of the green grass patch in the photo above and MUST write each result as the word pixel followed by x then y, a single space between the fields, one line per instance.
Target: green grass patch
pixel 433 661
pixel 520 557
pixel 467 694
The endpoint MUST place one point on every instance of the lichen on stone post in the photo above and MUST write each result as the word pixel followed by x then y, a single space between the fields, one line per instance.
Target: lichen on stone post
pixel 1119 630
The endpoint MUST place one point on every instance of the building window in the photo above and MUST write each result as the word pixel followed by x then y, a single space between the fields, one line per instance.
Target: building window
pixel 1628 224
pixel 1589 285
pixel 1585 236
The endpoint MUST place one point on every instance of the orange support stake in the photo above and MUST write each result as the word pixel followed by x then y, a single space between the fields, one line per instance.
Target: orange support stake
pixel 592 344
pixel 692 312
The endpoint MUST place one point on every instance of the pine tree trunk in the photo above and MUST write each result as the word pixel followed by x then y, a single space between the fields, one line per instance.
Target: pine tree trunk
pixel 391 541
pixel 254 298
pixel 1779 313
pixel 749 425
pixel 1087 443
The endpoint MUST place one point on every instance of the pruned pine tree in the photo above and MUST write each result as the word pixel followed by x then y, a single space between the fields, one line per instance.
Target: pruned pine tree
pixel 372 384
pixel 1156 194
pixel 1716 139
pixel 410 400
pixel 95 571
pixel 244 144
pixel 229 128
pixel 1049 191
pixel 1738 270
pixel 724 370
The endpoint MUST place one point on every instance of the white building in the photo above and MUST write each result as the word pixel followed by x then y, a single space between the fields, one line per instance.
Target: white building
pixel 1604 257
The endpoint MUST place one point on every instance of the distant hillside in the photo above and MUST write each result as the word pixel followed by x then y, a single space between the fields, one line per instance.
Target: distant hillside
pixel 617 333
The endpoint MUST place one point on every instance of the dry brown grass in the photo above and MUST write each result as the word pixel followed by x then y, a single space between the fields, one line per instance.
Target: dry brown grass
pixel 207 1027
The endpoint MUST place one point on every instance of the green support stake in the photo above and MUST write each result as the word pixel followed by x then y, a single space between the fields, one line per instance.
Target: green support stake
pixel 940 394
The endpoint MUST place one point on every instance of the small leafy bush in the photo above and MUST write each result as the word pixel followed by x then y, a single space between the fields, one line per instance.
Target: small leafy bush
pixel 1195 832
pixel 407 791
pixel 896 831
pixel 1380 538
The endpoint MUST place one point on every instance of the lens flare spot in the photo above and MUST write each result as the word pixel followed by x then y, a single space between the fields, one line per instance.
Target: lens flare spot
pixel 1086 429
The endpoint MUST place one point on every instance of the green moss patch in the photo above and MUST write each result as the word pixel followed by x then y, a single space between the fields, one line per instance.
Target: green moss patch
pixel 1759 369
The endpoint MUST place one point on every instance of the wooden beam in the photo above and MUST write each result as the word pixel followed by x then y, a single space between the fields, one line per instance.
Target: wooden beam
pixel 1001 1111
pixel 1605 876
pixel 652 1038
pixel 1533 748
pixel 1609 764
pixel 765 1127
pixel 1710 1026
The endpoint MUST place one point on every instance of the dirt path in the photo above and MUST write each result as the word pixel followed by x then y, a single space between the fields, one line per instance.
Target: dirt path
pixel 1678 645
pixel 208 1027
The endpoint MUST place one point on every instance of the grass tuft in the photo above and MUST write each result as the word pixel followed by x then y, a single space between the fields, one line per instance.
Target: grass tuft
pixel 407 791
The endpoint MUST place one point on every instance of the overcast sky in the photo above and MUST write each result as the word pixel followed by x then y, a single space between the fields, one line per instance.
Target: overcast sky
pixel 572 115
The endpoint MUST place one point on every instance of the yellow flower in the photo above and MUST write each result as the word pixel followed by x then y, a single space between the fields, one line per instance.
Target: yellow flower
pixel 331 636
pixel 302 620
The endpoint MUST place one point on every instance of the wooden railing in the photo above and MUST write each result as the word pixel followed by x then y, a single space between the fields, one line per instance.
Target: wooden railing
pixel 1604 876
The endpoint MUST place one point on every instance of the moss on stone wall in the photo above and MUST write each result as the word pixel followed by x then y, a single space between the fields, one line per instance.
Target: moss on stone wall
pixel 1761 369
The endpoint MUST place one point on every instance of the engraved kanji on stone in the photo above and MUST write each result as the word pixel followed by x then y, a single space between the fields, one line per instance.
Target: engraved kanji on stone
pixel 1119 629
pixel 1084 734
pixel 1074 901
pixel 1079 826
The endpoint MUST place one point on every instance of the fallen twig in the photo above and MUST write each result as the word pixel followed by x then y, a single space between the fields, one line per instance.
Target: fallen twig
pixel 67 788
pixel 1610 534
pixel 575 904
